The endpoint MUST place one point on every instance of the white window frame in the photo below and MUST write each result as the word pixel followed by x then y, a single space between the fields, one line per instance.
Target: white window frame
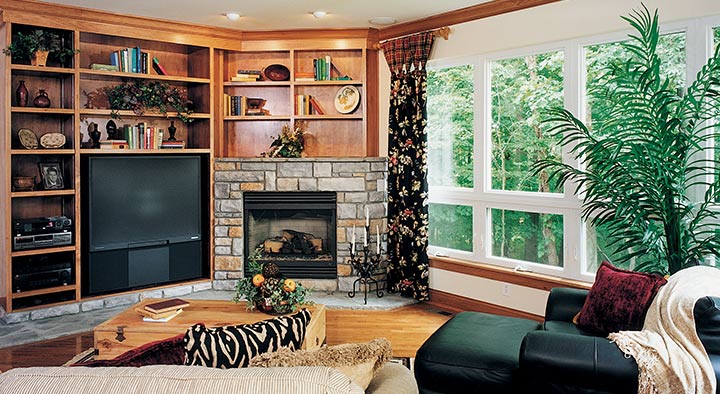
pixel 481 197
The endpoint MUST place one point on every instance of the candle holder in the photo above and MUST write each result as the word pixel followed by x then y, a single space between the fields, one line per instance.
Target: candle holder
pixel 364 263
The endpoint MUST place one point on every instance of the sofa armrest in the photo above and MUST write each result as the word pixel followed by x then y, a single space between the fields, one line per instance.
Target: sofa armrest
pixel 556 359
pixel 564 303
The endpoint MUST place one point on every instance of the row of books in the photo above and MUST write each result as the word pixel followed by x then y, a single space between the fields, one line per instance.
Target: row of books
pixel 162 311
pixel 323 69
pixel 247 76
pixel 306 104
pixel 135 60
pixel 142 136
pixel 238 106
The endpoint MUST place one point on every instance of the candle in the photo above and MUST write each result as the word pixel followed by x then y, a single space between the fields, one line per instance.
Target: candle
pixel 365 235
pixel 377 230
pixel 367 217
pixel 352 247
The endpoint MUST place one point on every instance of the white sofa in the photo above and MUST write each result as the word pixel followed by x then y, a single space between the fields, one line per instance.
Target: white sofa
pixel 177 379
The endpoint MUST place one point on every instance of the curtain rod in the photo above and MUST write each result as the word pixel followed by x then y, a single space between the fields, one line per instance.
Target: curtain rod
pixel 443 32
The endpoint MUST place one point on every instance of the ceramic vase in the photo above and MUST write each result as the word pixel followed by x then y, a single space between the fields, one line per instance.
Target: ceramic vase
pixel 21 95
pixel 172 129
pixel 42 100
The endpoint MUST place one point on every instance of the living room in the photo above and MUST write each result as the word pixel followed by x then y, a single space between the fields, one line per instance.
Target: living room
pixel 481 198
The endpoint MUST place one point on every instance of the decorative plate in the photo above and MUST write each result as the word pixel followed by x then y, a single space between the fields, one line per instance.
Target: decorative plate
pixel 276 72
pixel 28 139
pixel 52 140
pixel 347 99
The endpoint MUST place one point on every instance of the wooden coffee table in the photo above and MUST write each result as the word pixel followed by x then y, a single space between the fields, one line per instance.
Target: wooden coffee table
pixel 128 330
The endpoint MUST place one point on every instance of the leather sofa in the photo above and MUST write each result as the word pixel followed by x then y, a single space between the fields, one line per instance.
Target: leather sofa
pixel 478 352
pixel 561 358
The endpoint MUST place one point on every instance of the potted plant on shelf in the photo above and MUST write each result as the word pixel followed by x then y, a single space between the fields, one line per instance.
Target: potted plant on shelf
pixel 36 46
pixel 649 174
pixel 139 96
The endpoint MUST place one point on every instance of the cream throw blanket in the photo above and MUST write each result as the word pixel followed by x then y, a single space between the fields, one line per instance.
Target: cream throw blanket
pixel 668 352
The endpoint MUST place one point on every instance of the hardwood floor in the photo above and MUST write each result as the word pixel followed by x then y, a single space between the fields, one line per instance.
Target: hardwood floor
pixel 406 328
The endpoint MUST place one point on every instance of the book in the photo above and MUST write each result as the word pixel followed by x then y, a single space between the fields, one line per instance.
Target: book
pixel 316 106
pixel 158 67
pixel 166 305
pixel 153 315
pixel 113 144
pixel 104 67
pixel 163 319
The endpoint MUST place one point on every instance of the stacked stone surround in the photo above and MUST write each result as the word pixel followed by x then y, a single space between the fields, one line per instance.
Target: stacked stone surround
pixel 109 301
pixel 359 183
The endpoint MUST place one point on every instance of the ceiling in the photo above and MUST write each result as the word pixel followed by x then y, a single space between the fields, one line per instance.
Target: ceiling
pixel 278 14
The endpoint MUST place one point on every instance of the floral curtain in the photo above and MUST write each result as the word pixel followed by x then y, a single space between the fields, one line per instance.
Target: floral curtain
pixel 407 168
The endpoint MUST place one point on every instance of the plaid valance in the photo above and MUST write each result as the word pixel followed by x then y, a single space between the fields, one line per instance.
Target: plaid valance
pixel 406 53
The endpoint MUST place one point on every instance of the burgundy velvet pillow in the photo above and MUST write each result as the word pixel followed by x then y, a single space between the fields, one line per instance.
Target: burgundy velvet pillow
pixel 618 300
pixel 170 351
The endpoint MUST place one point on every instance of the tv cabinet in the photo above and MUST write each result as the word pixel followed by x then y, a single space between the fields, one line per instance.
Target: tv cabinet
pixel 199 60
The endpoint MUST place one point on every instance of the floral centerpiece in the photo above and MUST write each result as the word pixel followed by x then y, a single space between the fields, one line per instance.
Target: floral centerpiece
pixel 269 291
pixel 290 143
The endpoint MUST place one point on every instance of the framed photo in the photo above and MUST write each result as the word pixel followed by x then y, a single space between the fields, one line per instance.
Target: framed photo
pixel 51 174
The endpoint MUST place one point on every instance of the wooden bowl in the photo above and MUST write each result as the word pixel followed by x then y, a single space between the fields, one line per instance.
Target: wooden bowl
pixel 23 183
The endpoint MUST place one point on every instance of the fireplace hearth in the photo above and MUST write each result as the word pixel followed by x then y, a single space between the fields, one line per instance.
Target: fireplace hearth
pixel 295 230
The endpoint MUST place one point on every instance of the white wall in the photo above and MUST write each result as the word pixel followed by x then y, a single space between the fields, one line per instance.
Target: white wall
pixel 552 22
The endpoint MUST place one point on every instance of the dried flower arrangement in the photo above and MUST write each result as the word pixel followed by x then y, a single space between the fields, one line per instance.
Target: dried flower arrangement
pixel 290 143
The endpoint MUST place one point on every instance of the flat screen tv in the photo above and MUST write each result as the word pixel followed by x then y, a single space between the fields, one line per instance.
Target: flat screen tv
pixel 141 200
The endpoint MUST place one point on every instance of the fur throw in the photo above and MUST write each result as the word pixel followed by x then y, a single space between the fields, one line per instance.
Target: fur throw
pixel 359 361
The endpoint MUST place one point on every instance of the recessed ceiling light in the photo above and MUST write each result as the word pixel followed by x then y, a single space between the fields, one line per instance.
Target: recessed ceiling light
pixel 383 20
pixel 319 14
pixel 233 16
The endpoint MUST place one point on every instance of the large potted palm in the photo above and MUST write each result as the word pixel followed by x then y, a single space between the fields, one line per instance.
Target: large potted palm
pixel 649 174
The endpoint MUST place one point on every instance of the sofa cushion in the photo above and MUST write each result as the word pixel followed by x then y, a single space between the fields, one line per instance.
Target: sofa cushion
pixel 618 300
pixel 176 379
pixel 472 352
pixel 234 346
pixel 168 351
pixel 359 361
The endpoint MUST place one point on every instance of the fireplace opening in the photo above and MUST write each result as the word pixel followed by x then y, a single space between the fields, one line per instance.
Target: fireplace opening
pixel 295 230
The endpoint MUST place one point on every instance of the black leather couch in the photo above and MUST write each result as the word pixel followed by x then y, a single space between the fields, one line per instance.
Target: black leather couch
pixel 561 358
pixel 481 353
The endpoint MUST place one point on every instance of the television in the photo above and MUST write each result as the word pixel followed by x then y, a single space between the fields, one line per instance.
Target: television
pixel 145 221
pixel 135 200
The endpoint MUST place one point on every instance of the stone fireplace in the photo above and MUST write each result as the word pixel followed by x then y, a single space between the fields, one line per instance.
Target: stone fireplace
pixel 295 230
pixel 356 183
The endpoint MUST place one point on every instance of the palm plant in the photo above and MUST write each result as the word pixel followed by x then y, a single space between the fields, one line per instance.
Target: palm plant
pixel 639 167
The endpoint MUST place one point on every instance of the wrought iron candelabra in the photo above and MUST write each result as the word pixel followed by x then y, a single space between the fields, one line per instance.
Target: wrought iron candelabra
pixel 364 262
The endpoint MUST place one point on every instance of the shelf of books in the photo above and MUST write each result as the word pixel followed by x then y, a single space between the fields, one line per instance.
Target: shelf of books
pixel 264 90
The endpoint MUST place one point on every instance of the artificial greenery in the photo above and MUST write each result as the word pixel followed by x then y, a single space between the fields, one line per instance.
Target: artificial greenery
pixel 140 95
pixel 290 143
pixel 647 172
pixel 24 46
pixel 271 293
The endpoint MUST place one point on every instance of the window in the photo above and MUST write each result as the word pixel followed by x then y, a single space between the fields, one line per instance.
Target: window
pixel 528 236
pixel 450 126
pixel 509 215
pixel 671 50
pixel 451 226
pixel 520 88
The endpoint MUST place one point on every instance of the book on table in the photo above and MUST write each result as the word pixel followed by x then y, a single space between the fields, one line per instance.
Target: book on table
pixel 156 316
pixel 167 305
pixel 163 319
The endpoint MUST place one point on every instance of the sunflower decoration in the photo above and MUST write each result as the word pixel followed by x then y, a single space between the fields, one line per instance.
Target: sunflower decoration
pixel 267 289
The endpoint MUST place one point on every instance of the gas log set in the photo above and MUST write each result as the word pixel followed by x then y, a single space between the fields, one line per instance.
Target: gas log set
pixel 293 242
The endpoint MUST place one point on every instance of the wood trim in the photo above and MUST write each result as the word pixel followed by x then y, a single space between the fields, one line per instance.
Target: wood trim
pixel 85 19
pixel 308 34
pixel 372 135
pixel 502 274
pixel 461 15
pixel 455 303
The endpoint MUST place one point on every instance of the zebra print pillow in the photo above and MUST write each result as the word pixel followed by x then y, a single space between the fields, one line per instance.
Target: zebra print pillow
pixel 234 346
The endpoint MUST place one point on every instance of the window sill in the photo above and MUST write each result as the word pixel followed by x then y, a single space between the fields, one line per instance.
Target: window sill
pixel 502 274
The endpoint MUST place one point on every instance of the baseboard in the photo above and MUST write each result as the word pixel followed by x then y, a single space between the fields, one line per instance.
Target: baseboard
pixel 455 303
